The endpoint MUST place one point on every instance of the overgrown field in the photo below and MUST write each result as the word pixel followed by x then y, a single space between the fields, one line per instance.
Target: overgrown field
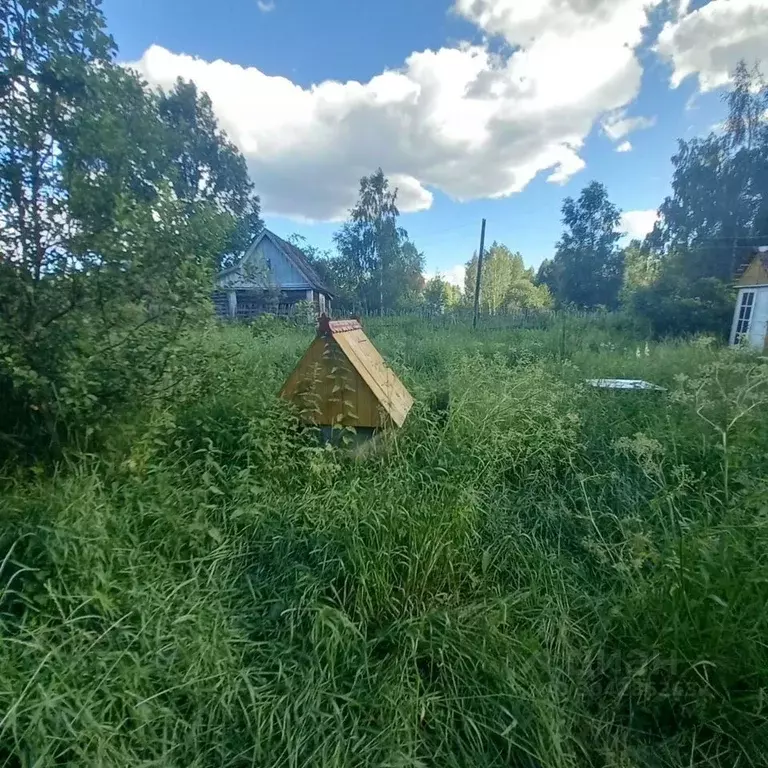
pixel 543 575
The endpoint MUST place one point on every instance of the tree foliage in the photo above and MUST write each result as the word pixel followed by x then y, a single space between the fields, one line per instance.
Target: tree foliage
pixel 505 284
pixel 440 295
pixel 641 267
pixel 377 266
pixel 209 167
pixel 719 200
pixel 588 268
pixel 717 212
pixel 106 250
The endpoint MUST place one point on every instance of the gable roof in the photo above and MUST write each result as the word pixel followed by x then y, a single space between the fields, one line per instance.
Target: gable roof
pixel 755 270
pixel 366 360
pixel 379 397
pixel 300 261
pixel 294 255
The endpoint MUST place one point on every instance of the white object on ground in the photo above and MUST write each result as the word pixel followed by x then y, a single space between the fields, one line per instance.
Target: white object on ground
pixel 624 384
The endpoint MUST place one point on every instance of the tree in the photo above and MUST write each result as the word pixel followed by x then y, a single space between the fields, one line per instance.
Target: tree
pixel 470 278
pixel 641 268
pixel 320 260
pixel 499 268
pixel 505 284
pixel 405 279
pixel 525 294
pixel 546 276
pixel 101 263
pixel 717 212
pixel 675 305
pixel 719 201
pixel 588 262
pixel 440 295
pixel 377 263
pixel 209 167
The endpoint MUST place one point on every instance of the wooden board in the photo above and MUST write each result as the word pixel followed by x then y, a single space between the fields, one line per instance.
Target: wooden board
pixel 756 273
pixel 379 377
pixel 342 379
pixel 317 380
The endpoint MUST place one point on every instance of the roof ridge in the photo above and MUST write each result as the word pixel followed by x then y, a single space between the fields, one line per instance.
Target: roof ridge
pixel 326 326
pixel 295 254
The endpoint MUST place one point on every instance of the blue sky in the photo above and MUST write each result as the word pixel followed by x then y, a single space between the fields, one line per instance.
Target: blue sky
pixel 483 102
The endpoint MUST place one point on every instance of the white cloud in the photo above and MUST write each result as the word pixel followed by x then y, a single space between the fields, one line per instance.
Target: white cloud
pixel 265 6
pixel 711 40
pixel 637 224
pixel 625 146
pixel 453 275
pixel 462 120
pixel 617 125
pixel 568 165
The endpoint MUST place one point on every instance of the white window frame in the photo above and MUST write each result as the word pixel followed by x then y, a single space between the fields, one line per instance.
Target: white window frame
pixel 742 318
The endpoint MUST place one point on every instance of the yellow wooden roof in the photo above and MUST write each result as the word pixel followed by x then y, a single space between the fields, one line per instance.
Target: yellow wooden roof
pixel 756 273
pixel 374 375
pixel 366 360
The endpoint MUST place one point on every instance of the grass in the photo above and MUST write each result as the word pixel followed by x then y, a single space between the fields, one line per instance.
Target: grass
pixel 550 576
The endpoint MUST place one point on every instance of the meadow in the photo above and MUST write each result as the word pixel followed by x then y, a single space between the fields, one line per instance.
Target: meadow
pixel 543 575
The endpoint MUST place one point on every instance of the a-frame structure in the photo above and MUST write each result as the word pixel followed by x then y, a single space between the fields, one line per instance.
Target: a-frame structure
pixel 342 380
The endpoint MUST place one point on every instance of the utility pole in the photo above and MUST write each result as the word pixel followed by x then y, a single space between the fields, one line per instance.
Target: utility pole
pixel 479 273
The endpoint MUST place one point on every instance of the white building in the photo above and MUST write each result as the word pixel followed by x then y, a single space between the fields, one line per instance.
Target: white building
pixel 750 319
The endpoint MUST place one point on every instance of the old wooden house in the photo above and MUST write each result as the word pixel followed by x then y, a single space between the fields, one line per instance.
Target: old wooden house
pixel 343 381
pixel 272 276
pixel 750 318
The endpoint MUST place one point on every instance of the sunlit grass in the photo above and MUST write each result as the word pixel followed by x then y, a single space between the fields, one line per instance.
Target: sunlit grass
pixel 548 576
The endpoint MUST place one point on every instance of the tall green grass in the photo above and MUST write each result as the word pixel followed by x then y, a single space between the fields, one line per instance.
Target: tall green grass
pixel 548 576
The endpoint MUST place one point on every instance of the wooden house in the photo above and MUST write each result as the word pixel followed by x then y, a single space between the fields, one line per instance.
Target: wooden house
pixel 272 276
pixel 343 381
pixel 750 318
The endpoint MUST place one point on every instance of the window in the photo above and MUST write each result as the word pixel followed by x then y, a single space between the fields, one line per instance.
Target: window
pixel 744 316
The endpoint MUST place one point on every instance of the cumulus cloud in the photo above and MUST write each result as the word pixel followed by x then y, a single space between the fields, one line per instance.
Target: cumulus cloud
pixel 625 146
pixel 265 6
pixel 453 275
pixel 462 120
pixel 637 224
pixel 711 40
pixel 617 125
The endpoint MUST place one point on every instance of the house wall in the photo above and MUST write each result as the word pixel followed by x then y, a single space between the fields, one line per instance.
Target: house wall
pixel 265 266
pixel 758 325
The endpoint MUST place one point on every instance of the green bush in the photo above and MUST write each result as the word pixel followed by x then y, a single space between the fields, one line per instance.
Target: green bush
pixel 678 305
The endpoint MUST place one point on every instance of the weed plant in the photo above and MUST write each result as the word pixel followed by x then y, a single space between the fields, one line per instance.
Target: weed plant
pixel 544 575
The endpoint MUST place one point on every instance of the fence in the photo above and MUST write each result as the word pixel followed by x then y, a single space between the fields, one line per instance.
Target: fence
pixel 520 318
pixel 533 319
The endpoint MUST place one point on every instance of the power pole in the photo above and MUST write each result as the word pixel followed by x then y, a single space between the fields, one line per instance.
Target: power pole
pixel 479 273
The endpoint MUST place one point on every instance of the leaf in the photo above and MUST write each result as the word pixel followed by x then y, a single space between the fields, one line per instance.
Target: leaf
pixel 215 534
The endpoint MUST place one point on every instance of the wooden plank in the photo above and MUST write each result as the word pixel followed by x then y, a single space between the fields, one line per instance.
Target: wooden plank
pixel 382 381
pixel 364 402
pixel 756 273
